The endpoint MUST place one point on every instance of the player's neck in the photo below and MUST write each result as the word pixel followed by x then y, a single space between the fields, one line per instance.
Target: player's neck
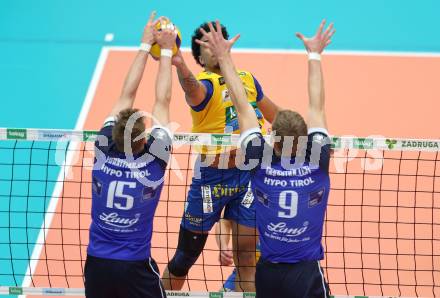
pixel 214 70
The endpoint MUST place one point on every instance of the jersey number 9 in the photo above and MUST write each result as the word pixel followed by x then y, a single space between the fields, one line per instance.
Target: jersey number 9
pixel 288 201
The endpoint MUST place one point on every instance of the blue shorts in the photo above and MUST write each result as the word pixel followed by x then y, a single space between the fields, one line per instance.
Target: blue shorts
pixel 214 190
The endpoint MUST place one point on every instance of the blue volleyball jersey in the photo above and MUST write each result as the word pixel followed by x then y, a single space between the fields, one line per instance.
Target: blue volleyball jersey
pixel 125 194
pixel 291 197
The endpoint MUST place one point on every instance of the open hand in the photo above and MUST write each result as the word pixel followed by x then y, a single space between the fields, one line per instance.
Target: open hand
pixel 320 41
pixel 215 41
pixel 226 257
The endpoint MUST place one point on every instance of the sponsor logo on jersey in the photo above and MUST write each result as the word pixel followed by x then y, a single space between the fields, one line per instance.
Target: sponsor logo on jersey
pixel 281 228
pixel 148 193
pixel 97 186
pixel 282 232
pixel 113 219
pixel 316 197
pixel 226 96
pixel 262 197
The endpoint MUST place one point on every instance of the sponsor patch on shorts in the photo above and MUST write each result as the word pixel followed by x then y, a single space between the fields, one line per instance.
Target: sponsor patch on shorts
pixel 207 199
pixel 248 199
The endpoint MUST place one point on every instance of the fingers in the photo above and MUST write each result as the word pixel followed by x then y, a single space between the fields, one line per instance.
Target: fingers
pixel 202 43
pixel 152 16
pixel 234 39
pixel 211 27
pixel 321 27
pixel 329 36
pixel 219 27
pixel 328 30
pixel 300 36
pixel 226 257
pixel 163 23
pixel 212 31
pixel 155 23
pixel 205 34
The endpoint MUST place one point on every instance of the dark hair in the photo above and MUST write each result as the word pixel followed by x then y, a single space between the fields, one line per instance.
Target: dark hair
pixel 118 130
pixel 198 35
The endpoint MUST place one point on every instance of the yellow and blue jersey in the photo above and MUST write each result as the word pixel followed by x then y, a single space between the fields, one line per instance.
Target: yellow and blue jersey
pixel 216 113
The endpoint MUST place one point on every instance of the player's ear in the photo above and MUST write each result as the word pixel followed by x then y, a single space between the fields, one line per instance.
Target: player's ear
pixel 202 62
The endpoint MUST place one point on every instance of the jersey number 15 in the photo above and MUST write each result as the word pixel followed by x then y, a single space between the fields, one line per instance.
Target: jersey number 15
pixel 116 190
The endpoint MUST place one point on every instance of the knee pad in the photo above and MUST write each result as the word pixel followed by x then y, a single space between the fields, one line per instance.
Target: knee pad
pixel 188 250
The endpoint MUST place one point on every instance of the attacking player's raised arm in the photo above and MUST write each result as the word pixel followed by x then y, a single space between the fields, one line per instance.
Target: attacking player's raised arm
pixel 315 46
pixel 195 91
pixel 161 109
pixel 134 76
pixel 268 108
pixel 221 48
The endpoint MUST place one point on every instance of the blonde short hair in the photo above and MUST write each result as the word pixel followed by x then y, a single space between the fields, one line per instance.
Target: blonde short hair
pixel 138 128
pixel 288 123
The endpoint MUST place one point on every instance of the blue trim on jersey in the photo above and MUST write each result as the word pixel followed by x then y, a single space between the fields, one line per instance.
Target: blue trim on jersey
pixel 209 92
pixel 260 93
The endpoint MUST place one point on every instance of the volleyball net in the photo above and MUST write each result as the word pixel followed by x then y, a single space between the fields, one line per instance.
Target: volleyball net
pixel 381 234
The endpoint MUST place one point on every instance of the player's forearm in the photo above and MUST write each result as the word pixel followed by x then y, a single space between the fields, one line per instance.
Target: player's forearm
pixel 238 94
pixel 163 91
pixel 193 89
pixel 164 80
pixel 223 233
pixel 316 86
pixel 268 108
pixel 134 76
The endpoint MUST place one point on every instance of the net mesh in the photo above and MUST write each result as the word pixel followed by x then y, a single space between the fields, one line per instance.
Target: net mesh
pixel 382 228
